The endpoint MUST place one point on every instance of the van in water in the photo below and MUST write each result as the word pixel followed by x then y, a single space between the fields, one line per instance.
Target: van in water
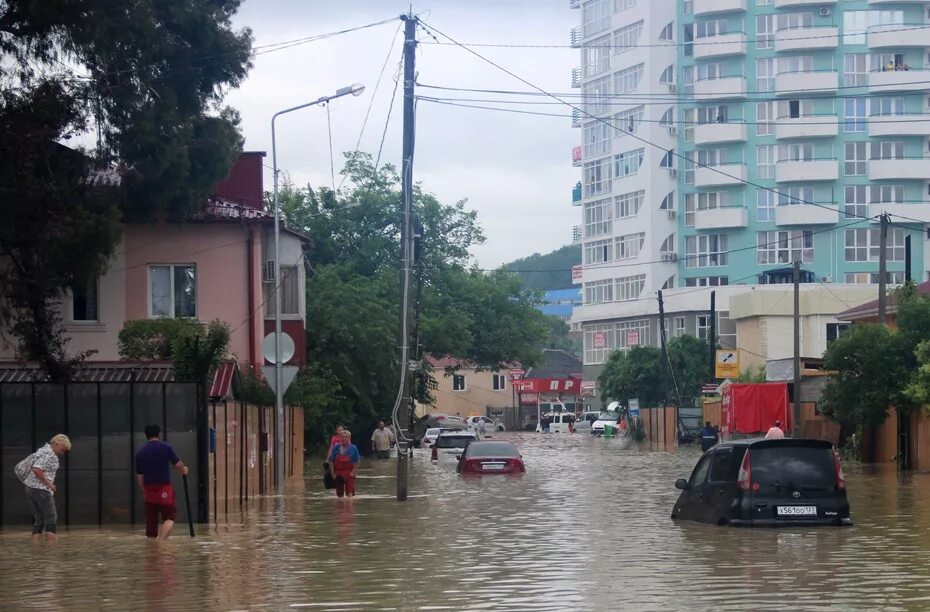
pixel 766 483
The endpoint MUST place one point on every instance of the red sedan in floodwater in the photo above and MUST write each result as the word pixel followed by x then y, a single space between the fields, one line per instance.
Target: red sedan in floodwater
pixel 490 457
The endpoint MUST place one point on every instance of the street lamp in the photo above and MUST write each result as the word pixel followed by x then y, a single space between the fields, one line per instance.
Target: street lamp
pixel 356 90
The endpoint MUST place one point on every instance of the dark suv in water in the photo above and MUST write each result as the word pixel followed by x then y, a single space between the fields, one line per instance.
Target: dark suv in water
pixel 766 483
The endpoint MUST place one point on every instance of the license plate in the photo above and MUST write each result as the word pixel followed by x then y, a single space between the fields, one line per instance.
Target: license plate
pixel 796 510
pixel 492 466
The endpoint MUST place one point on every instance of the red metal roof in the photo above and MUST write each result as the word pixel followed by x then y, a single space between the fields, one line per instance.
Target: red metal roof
pixel 222 380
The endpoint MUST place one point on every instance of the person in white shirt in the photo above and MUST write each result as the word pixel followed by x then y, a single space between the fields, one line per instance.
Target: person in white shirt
pixel 775 433
pixel 40 487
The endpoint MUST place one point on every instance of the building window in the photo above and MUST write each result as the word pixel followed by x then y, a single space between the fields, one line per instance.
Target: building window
pixel 669 283
pixel 596 177
pixel 710 28
pixel 458 382
pixel 855 205
pixel 765 205
pixel 854 160
pixel 668 32
pixel 629 246
pixel 599 292
pixel 688 125
pixel 628 163
pixel 855 69
pixel 689 209
pixel 173 291
pixel 865 244
pixel 785 247
pixel 627 81
pixel 627 37
pixel 630 287
pixel 708 200
pixel 499 383
pixel 795 21
pixel 597 218
pixel 886 150
pixel 290 292
pixel 765 161
pixel 668 160
pixel 597 96
pixel 765 74
pixel 597 137
pixel 835 330
pixel 871 278
pixel 765 32
pixel 792 196
pixel 886 194
pixel 599 251
pixel 622 5
pixel 854 115
pixel 705 72
pixel 597 56
pixel 628 204
pixel 703 326
pixel 885 107
pixel 765 117
pixel 707 281
pixel 688 173
pixel 706 250
pixel 668 75
pixel 596 17
pixel 687 78
pixel 668 202
pixel 798 151
pixel 628 120
pixel 678 327
pixel 84 302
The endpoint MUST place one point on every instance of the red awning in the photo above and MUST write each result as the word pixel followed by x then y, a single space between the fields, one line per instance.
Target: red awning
pixel 222 380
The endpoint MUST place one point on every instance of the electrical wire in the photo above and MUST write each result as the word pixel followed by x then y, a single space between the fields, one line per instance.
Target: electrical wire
pixel 332 163
pixel 387 119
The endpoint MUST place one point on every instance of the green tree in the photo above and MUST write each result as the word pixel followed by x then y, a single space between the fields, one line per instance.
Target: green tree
pixel 688 356
pixel 195 350
pixel 549 271
pixel 560 336
pixel 918 389
pixel 149 80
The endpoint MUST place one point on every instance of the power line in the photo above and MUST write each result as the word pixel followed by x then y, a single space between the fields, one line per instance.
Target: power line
pixel 387 119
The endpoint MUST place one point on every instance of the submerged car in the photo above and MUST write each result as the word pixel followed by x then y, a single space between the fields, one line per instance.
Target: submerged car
pixel 489 424
pixel 603 419
pixel 766 483
pixel 490 457
pixel 452 442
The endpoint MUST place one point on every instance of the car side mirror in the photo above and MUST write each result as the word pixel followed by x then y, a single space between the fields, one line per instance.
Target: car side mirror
pixel 458 457
pixel 682 484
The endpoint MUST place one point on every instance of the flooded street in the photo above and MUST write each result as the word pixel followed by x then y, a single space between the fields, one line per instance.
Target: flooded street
pixel 587 528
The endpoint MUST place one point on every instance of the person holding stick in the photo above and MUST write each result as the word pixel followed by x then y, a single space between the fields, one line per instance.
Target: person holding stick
pixel 152 463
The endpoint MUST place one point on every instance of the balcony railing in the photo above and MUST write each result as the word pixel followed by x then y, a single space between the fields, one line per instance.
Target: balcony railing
pixel 721 218
pixel 904 79
pixel 902 168
pixel 575 37
pixel 720 89
pixel 573 4
pixel 801 171
pixel 576 77
pixel 813 82
pixel 732 130
pixel 811 126
pixel 577 234
pixel 709 7
pixel 810 37
pixel 912 124
pixel 898 35
pixel 576 194
pixel 722 45
pixel 576 118
pixel 720 175
pixel 806 214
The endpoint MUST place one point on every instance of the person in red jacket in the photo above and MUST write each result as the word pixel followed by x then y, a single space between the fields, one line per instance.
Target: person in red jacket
pixel 343 465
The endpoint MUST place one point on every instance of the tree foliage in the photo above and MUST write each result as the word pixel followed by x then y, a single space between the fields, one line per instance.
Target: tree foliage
pixel 148 79
pixel 195 350
pixel 353 292
pixel 545 272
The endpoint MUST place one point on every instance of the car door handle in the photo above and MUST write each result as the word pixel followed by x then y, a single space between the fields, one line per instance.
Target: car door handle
pixel 721 492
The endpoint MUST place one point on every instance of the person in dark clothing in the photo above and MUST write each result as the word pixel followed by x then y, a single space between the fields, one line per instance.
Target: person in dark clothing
pixel 152 473
pixel 708 436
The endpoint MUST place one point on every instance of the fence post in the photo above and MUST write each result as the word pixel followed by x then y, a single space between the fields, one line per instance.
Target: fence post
pixel 64 390
pixel 100 457
pixel 203 453
pixel 132 448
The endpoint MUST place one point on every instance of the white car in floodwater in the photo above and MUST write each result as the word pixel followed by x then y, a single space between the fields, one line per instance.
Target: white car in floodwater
pixel 603 419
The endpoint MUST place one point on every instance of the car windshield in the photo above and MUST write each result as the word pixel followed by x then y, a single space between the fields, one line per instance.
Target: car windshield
pixel 453 441
pixel 432 432
pixel 801 467
pixel 492 449
pixel 608 416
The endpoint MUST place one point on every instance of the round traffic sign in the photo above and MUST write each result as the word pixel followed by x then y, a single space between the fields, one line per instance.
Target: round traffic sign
pixel 287 348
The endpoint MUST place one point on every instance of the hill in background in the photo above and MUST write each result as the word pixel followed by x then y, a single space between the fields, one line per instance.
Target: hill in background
pixel 550 271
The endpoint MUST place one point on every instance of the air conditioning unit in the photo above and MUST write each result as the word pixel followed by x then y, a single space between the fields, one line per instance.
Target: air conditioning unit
pixel 672 130
pixel 673 172
pixel 826 279
pixel 825 11
pixel 672 88
pixel 268 272
pixel 672 214
pixel 669 256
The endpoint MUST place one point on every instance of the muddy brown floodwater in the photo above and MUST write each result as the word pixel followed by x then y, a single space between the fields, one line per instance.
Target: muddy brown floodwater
pixel 587 528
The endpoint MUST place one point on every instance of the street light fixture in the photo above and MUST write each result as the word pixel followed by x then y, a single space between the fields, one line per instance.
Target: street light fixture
pixel 356 90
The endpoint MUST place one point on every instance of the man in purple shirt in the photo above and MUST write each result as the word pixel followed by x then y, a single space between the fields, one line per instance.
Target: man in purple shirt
pixel 153 462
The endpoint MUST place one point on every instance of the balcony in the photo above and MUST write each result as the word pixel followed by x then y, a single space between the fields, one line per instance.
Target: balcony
pixel 918 212
pixel 576 194
pixel 808 170
pixel 721 218
pixel 899 169
pixel 720 46
pixel 576 77
pixel 806 214
pixel 577 234
pixel 575 37
pixel 880 2
pixel 898 35
pixel 899 80
pixel 574 4
pixel 803 3
pixel 815 126
pixel 576 156
pixel 720 175
pixel 710 7
pixel 714 133
pixel 806 39
pixel 803 83
pixel 576 118
pixel 725 88
pixel 899 125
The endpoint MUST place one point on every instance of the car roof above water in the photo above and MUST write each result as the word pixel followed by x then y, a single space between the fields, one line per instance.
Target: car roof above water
pixel 783 442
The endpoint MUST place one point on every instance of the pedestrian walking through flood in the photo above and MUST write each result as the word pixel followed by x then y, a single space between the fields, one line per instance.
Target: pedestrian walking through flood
pixel 37 473
pixel 152 473
pixel 343 463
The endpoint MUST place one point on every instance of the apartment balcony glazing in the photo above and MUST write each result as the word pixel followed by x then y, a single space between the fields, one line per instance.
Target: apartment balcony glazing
pixel 576 77
pixel 725 88
pixel 575 37
pixel 897 1
pixel 721 218
pixel 803 3
pixel 918 212
pixel 881 81
pixel 898 35
pixel 574 4
pixel 806 214
pixel 807 38
pixel 908 168
pixel 802 171
pixel 722 45
pixel 577 234
pixel 814 126
pixel 577 194
pixel 900 125
pixel 716 133
pixel 811 82
pixel 710 7
pixel 720 175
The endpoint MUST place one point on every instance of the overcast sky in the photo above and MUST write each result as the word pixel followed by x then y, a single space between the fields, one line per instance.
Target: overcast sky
pixel 515 170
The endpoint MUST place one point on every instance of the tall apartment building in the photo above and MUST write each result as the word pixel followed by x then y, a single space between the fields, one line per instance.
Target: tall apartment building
pixel 763 131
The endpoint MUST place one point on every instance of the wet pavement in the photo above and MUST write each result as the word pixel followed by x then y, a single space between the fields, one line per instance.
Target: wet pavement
pixel 587 528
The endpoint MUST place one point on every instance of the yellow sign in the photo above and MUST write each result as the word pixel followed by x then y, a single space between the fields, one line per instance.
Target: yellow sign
pixel 727 364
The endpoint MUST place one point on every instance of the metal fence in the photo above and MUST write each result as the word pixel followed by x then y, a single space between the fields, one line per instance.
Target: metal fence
pixel 105 420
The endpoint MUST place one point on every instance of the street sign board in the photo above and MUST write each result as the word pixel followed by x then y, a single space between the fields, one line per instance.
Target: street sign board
pixel 632 337
pixel 287 348
pixel 726 364
pixel 516 374
pixel 577 273
pixel 287 375
pixel 634 406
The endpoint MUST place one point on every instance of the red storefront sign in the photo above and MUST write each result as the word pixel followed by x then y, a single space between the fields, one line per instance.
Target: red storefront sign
pixel 577 272
pixel 576 154
pixel 517 374
pixel 547 385
pixel 600 339
pixel 632 337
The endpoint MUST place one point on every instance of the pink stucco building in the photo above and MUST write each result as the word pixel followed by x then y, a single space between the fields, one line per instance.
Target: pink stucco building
pixel 216 266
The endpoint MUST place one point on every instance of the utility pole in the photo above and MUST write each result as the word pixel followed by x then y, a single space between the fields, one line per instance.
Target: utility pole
pixel 796 415
pixel 712 335
pixel 663 380
pixel 404 400
pixel 907 259
pixel 882 268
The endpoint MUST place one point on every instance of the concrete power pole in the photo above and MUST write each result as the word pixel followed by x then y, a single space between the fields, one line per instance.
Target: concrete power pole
pixel 796 413
pixel 407 241
pixel 883 269
pixel 662 339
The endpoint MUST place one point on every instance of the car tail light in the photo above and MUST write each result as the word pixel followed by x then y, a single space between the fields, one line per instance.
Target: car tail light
pixel 434 456
pixel 743 479
pixel 471 466
pixel 840 477
pixel 516 465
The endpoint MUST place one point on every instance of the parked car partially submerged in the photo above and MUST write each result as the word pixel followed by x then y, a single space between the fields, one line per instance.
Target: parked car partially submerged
pixel 490 457
pixel 759 483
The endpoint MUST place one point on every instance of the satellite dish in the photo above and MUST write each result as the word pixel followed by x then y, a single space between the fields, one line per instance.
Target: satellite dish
pixel 287 348
pixel 613 406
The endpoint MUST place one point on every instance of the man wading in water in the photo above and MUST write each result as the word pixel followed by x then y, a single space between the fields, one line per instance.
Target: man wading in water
pixel 152 463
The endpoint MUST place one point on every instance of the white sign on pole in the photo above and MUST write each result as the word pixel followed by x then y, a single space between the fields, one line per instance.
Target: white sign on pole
pixel 634 406
pixel 287 375
pixel 287 347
